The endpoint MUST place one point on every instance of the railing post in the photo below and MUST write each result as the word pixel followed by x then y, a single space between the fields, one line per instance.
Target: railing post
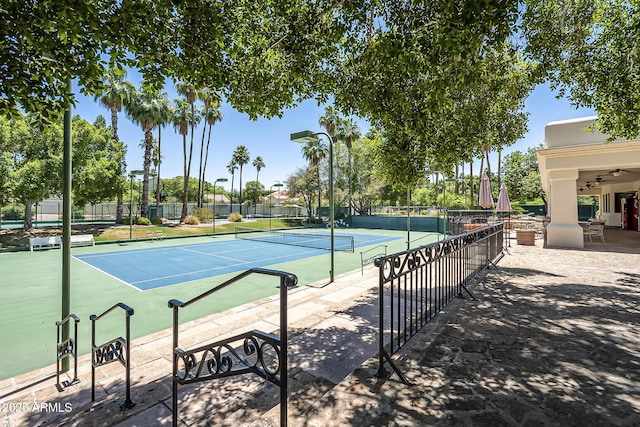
pixel 128 402
pixel 284 376
pixel 65 349
pixel 93 318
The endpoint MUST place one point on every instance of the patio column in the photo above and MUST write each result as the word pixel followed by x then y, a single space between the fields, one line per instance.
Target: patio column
pixel 563 230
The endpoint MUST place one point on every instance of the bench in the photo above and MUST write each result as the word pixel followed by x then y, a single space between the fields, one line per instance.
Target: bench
pixel 82 240
pixel 44 242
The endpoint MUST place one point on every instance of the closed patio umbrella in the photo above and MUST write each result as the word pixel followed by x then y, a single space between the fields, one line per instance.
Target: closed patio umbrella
pixel 503 199
pixel 485 199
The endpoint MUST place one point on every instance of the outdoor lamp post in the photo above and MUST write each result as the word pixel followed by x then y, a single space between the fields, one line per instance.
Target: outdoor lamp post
pixel 214 201
pixel 132 175
pixel 277 184
pixel 307 136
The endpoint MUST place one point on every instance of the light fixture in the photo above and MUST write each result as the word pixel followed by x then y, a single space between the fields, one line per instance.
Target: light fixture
pixel 616 173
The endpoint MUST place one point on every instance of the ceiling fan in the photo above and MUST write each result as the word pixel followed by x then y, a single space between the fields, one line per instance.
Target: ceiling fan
pixel 618 172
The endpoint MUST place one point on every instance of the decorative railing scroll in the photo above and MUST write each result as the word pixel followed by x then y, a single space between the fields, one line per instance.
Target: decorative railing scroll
pixel 257 352
pixel 117 349
pixel 416 284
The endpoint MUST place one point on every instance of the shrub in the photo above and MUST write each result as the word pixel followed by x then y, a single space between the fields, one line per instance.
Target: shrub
pixel 234 217
pixel 203 214
pixel 156 221
pixel 192 220
pixel 143 221
pixel 14 212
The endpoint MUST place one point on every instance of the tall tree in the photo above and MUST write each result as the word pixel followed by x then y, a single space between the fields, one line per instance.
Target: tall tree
pixel 241 157
pixel 258 163
pixel 165 116
pixel 188 90
pixel 147 110
pixel 97 160
pixel 588 49
pixel 314 151
pixel 116 93
pixel 212 115
pixel 181 120
pixel 232 167
pixel 349 132
pixel 35 161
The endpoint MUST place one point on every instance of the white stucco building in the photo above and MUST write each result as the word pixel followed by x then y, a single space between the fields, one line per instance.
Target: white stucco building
pixel 575 162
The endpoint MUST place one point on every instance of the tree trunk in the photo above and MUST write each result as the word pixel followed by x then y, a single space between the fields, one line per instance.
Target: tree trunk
pixel 185 179
pixel 206 160
pixel 499 166
pixel 471 182
pixel 200 174
pixel 120 200
pixel 148 146
pixel 240 195
pixel 28 220
pixel 158 173
pixel 120 207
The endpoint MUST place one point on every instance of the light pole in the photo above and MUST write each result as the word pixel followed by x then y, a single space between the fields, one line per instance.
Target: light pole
pixel 132 175
pixel 214 201
pixel 307 136
pixel 277 184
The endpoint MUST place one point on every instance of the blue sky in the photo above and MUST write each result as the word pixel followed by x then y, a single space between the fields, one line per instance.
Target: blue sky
pixel 270 138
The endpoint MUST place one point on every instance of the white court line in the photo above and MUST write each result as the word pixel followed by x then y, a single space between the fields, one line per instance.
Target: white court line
pixel 110 275
pixel 219 267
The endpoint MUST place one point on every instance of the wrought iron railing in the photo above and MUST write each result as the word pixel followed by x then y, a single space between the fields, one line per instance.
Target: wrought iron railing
pixel 115 350
pixel 259 353
pixel 416 284
pixel 67 348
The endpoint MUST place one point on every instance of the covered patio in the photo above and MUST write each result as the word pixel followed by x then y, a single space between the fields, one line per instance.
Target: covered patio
pixel 576 161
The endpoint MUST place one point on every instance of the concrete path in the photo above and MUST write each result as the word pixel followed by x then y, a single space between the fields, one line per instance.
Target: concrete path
pixel 552 340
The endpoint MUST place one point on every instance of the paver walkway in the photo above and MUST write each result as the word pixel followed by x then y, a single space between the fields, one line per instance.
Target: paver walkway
pixel 552 340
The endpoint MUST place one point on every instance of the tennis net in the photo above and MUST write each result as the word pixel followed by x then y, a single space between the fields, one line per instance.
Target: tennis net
pixel 307 240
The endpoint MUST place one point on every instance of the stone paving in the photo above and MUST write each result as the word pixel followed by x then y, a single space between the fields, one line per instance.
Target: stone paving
pixel 551 340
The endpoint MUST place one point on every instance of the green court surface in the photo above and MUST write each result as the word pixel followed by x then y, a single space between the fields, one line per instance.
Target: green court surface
pixel 30 286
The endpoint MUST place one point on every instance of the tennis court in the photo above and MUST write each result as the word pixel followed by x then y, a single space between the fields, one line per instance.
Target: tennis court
pixel 156 267
pixel 145 275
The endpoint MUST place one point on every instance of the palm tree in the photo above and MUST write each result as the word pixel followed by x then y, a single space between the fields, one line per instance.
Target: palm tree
pixel 349 131
pixel 241 157
pixel 190 93
pixel 314 151
pixel 207 96
pixel 330 120
pixel 212 115
pixel 117 93
pixel 258 163
pixel 146 111
pixel 165 116
pixel 231 167
pixel 181 121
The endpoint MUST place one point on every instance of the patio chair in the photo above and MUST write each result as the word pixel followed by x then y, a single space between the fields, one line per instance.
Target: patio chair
pixel 594 230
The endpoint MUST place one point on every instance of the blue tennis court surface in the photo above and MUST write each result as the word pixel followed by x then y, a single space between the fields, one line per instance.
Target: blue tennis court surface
pixel 168 265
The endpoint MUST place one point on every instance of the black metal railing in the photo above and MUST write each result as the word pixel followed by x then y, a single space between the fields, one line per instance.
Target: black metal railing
pixel 67 348
pixel 259 353
pixel 416 284
pixel 115 350
pixel 366 257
